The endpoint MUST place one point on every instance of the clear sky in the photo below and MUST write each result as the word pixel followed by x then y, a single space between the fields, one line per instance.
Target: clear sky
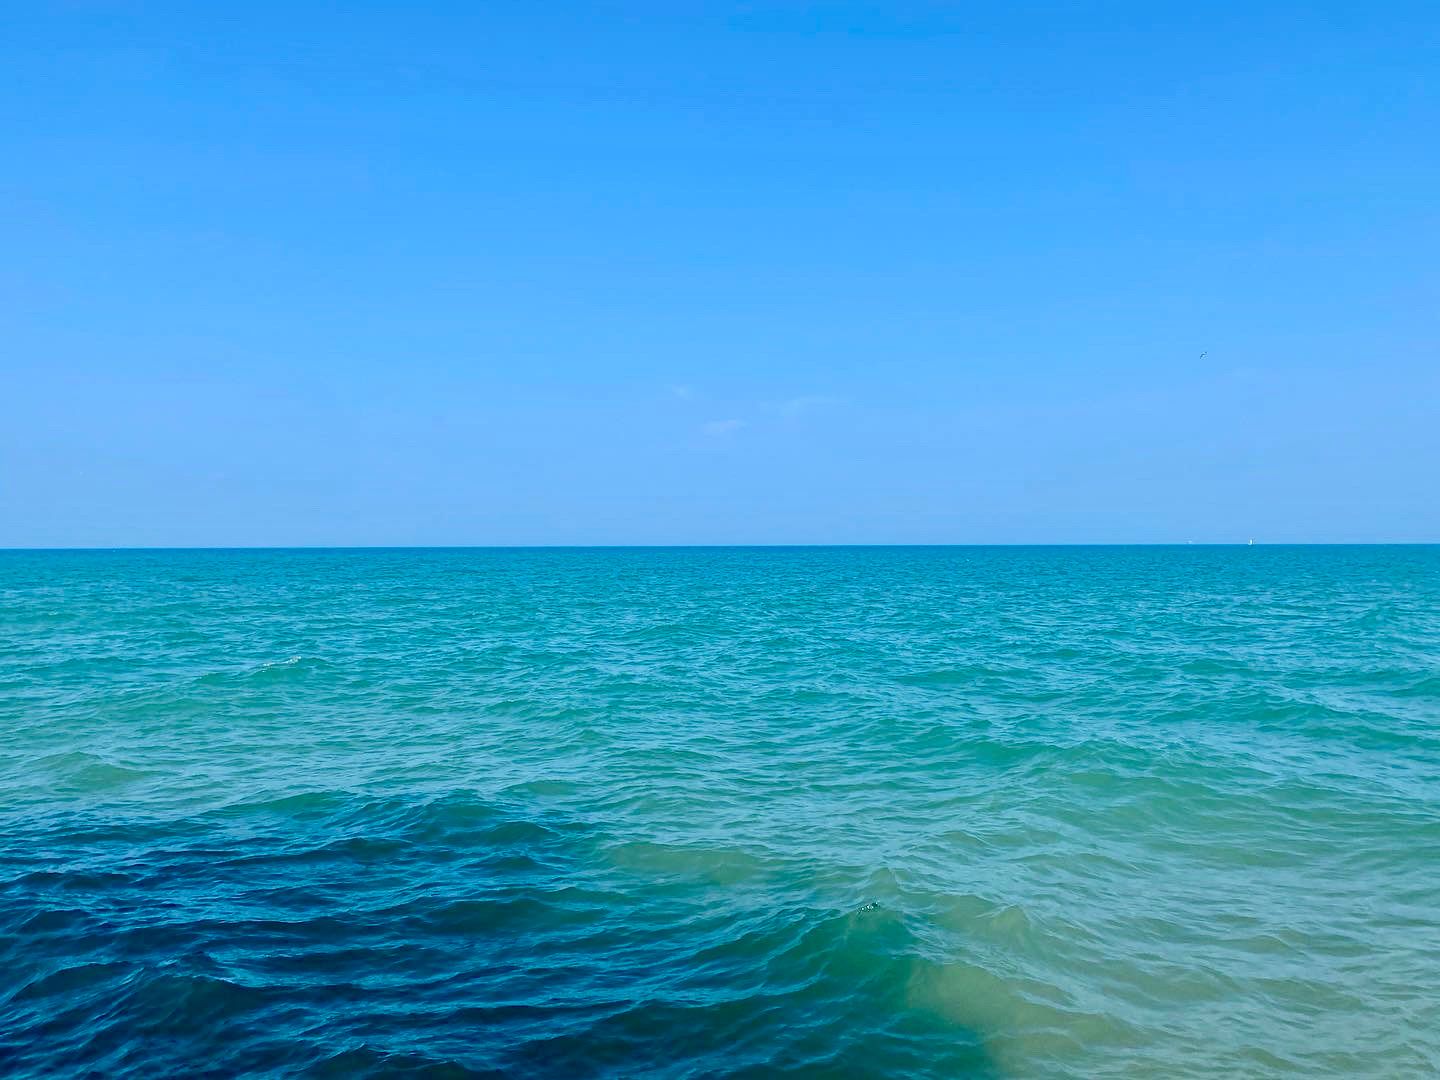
pixel 548 273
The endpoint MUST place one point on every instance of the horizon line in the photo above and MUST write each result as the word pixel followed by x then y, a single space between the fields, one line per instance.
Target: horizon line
pixel 715 546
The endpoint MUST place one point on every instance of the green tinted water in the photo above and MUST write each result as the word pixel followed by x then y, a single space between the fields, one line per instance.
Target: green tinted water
pixel 1149 812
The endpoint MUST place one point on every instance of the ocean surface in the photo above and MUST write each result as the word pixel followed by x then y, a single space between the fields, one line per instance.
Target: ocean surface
pixel 929 812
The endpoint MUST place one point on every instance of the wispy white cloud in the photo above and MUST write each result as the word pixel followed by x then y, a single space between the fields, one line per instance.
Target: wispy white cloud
pixel 806 403
pixel 682 392
pixel 722 427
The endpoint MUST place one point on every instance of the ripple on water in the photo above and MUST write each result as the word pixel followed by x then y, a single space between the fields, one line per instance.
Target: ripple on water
pixel 921 812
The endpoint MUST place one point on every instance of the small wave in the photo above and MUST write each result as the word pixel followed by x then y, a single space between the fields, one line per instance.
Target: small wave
pixel 268 671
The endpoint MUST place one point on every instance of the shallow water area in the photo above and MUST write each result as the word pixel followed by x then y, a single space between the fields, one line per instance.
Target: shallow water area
pixel 934 812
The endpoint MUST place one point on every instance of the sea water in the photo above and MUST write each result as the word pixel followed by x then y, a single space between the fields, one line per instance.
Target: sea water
pixel 931 812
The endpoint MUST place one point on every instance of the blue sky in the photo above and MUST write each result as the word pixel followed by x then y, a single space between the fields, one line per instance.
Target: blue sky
pixel 719 273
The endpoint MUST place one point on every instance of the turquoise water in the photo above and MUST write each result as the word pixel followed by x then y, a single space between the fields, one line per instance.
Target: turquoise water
pixel 1009 812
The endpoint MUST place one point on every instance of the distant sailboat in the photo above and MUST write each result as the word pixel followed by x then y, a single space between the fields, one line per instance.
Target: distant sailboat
pixel 1252 542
